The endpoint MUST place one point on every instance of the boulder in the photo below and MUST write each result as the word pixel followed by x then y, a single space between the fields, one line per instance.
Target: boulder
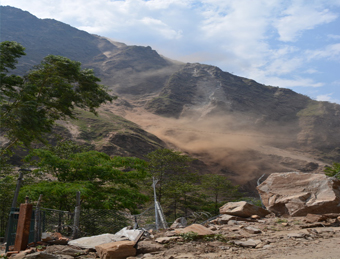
pixel 297 194
pixel 116 250
pixel 242 209
pixel 199 229
pixel 64 250
pixel 91 242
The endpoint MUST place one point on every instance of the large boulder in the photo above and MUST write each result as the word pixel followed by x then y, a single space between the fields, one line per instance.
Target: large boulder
pixel 298 194
pixel 199 229
pixel 116 250
pixel 242 209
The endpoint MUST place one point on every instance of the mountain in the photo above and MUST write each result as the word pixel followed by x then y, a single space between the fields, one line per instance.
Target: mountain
pixel 233 125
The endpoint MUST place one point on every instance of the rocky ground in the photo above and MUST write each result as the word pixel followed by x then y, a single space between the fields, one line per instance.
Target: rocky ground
pixel 231 237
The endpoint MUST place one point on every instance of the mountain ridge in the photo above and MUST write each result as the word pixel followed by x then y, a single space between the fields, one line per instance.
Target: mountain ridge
pixel 183 103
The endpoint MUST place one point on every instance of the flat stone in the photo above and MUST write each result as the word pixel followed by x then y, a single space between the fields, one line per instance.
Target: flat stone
pixel 248 243
pixel 92 242
pixel 296 235
pixel 64 250
pixel 253 230
pixel 164 240
pixel 199 229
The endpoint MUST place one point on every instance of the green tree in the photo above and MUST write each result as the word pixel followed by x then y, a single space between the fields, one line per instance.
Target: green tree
pixel 104 182
pixel 30 105
pixel 219 189
pixel 333 171
pixel 165 165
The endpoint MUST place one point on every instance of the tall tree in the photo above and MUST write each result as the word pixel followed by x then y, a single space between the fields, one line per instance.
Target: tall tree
pixel 105 182
pixel 165 165
pixel 219 189
pixel 30 105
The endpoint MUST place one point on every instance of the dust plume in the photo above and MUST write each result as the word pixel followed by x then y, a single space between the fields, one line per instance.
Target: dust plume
pixel 224 143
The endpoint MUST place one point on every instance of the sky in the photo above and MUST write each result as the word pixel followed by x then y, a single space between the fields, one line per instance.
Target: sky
pixel 287 43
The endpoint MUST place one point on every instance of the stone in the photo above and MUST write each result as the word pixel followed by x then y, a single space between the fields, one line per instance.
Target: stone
pixel 131 234
pixel 41 255
pixel 311 218
pixel 164 240
pixel 199 229
pixel 224 219
pixel 242 209
pixel 116 250
pixel 144 247
pixel 296 235
pixel 179 223
pixel 253 230
pixel 248 243
pixel 64 250
pixel 297 194
pixel 91 242
pixel 255 217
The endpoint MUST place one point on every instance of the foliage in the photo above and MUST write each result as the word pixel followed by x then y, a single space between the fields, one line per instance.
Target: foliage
pixel 49 92
pixel 104 182
pixel 333 171
pixel 7 187
pixel 219 189
pixel 165 165
pixel 189 236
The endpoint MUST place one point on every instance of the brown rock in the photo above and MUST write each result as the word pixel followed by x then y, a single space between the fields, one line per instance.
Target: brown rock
pixel 311 218
pixel 145 247
pixel 116 250
pixel 199 229
pixel 242 209
pixel 298 194
pixel 65 250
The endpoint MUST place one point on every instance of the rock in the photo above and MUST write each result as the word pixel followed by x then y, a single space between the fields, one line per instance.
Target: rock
pixel 242 209
pixel 224 219
pixel 144 247
pixel 248 243
pixel 131 234
pixel 253 230
pixel 41 255
pixel 255 217
pixel 164 240
pixel 311 218
pixel 116 250
pixel 64 250
pixel 199 229
pixel 179 223
pixel 298 194
pixel 91 242
pixel 296 235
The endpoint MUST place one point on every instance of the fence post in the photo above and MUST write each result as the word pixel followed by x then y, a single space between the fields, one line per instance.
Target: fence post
pixel 23 229
pixel 76 222
pixel 37 221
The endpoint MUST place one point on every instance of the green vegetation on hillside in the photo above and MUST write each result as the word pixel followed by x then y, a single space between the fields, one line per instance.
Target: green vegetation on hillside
pixel 30 105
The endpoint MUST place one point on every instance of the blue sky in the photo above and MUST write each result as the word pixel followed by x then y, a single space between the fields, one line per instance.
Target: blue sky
pixel 286 43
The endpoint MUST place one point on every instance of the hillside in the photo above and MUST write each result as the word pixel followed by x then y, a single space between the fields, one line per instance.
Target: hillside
pixel 234 125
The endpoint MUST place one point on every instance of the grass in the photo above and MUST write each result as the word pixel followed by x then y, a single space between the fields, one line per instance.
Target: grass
pixel 313 108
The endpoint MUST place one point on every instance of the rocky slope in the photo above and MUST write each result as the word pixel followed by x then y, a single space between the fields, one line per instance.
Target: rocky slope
pixel 236 126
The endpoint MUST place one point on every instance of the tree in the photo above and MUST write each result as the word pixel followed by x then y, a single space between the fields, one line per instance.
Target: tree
pixel 104 182
pixel 51 91
pixel 219 188
pixel 164 165
pixel 333 171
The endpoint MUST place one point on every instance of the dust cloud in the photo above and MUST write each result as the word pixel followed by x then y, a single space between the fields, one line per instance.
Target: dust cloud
pixel 225 144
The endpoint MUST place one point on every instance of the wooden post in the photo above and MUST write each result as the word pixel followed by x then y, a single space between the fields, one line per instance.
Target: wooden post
pixel 76 222
pixel 37 221
pixel 23 229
